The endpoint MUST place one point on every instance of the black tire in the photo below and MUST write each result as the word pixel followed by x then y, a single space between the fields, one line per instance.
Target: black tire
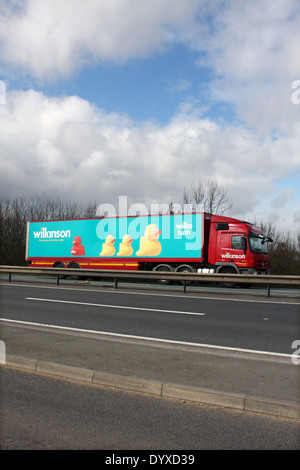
pixel 59 264
pixel 229 271
pixel 74 265
pixel 185 268
pixel 164 268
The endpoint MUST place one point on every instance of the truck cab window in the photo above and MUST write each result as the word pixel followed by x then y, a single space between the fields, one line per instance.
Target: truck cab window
pixel 237 242
pixel 258 245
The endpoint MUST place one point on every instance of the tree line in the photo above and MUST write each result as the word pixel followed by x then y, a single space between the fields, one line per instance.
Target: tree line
pixel 284 251
pixel 15 213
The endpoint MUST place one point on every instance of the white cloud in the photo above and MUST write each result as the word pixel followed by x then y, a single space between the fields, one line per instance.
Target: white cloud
pixel 52 39
pixel 253 47
pixel 282 198
pixel 297 217
pixel 66 147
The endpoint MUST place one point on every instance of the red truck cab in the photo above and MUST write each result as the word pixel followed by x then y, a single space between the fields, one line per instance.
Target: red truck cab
pixel 236 246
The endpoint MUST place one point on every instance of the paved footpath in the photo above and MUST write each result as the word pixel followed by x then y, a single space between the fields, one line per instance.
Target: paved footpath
pixel 254 384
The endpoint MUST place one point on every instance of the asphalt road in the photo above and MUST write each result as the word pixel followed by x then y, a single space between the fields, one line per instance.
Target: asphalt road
pixel 234 350
pixel 254 325
pixel 42 413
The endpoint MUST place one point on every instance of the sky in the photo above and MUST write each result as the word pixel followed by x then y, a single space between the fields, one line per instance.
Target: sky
pixel 142 98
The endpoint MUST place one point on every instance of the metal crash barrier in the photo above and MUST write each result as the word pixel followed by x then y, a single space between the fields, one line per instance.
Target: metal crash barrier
pixel 166 276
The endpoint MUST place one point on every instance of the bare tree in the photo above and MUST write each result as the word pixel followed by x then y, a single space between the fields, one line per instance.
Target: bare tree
pixel 210 194
pixel 269 229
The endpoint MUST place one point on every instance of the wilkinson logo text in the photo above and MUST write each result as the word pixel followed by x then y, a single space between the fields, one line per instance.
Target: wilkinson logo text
pixel 44 233
pixel 230 255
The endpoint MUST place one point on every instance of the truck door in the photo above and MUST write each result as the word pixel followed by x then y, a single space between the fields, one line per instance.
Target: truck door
pixel 224 246
pixel 232 248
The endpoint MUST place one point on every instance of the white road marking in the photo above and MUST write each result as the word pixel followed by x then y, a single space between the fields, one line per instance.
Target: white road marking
pixel 187 295
pixel 114 306
pixel 149 339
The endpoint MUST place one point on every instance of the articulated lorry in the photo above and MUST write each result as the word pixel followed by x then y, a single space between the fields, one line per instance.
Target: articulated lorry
pixel 185 242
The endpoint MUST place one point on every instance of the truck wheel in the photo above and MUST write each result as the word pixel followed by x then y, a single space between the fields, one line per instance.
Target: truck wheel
pixel 228 271
pixel 185 268
pixel 59 264
pixel 164 268
pixel 74 265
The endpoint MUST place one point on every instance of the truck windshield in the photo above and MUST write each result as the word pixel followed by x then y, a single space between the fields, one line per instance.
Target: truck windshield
pixel 258 244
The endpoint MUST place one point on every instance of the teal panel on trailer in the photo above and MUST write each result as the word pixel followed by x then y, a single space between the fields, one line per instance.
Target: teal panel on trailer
pixel 178 236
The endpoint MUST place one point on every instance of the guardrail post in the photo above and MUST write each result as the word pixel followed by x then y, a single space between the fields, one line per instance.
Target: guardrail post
pixel 268 290
pixel 57 280
pixel 184 287
pixel 116 283
pixel 9 277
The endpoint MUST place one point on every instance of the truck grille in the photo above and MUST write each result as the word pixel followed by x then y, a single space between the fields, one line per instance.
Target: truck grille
pixel 262 265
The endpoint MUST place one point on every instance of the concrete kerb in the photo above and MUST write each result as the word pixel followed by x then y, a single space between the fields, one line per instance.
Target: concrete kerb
pixel 235 401
pixel 205 396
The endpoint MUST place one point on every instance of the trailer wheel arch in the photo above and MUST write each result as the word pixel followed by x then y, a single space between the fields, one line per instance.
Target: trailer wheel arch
pixel 74 265
pixel 227 267
pixel 58 264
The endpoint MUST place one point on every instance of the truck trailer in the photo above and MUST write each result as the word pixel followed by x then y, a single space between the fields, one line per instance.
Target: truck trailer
pixel 182 242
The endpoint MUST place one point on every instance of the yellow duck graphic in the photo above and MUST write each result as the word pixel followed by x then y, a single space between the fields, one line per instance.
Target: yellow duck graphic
pixel 125 248
pixel 149 244
pixel 108 248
